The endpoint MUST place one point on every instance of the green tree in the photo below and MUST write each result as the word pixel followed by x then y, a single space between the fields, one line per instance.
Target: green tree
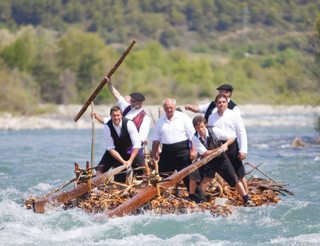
pixel 86 55
pixel 21 53
pixel 19 92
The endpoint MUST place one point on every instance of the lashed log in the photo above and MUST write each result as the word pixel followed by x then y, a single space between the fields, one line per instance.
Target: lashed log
pixel 79 190
pixel 146 194
pixel 103 82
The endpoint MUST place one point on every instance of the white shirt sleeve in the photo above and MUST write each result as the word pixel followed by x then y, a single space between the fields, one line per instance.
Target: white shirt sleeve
pixel 241 134
pixel 106 119
pixel 203 107
pixel 200 148
pixel 189 127
pixel 107 137
pixel 144 128
pixel 236 109
pixel 221 134
pixel 122 103
pixel 156 136
pixel 134 135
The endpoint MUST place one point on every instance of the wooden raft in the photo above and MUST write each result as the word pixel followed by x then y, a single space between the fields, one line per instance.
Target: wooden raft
pixel 159 196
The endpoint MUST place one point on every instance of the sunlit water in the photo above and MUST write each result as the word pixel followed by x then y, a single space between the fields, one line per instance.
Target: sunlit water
pixel 34 162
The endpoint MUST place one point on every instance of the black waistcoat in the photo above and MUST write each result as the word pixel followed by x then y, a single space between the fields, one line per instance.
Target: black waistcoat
pixel 123 142
pixel 212 141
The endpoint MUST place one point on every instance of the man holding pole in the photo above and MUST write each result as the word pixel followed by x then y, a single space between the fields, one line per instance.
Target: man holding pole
pixel 122 144
pixel 132 110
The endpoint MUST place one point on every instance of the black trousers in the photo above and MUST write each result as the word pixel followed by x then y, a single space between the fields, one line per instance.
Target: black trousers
pixel 175 157
pixel 107 161
pixel 232 153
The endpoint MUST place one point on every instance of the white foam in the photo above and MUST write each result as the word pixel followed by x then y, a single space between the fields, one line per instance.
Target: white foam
pixel 304 239
pixel 41 187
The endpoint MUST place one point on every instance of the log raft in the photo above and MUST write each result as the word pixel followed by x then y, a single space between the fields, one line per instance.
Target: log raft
pixel 160 196
pixel 148 193
pixel 143 197
pixel 77 191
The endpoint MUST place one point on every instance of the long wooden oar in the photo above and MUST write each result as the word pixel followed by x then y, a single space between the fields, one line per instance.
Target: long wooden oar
pixel 93 136
pixel 103 82
pixel 79 190
pixel 146 194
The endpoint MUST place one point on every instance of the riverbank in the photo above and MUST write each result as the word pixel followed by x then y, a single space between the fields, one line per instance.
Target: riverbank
pixel 253 115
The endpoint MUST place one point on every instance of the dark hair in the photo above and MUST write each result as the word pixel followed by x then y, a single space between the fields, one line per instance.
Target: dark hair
pixel 220 96
pixel 198 120
pixel 115 109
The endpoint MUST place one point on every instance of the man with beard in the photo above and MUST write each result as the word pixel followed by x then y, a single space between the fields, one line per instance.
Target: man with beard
pixel 132 109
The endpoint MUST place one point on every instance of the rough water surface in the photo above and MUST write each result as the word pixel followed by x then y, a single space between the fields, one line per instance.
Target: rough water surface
pixel 38 161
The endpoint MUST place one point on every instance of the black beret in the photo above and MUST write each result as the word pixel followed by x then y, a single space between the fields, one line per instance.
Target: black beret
pixel 137 96
pixel 225 87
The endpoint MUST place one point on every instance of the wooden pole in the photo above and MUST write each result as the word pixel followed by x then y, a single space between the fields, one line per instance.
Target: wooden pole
pixel 103 82
pixel 92 136
pixel 79 190
pixel 146 194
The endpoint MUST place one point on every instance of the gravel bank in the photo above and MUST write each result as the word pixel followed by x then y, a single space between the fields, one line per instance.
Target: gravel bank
pixel 253 115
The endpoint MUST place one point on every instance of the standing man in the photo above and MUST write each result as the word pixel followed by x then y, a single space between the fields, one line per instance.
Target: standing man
pixel 132 110
pixel 206 142
pixel 226 122
pixel 211 107
pixel 122 144
pixel 174 131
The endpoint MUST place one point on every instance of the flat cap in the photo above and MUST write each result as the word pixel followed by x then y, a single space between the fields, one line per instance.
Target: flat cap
pixel 137 96
pixel 226 87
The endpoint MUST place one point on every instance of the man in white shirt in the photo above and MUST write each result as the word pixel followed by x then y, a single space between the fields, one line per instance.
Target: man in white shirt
pixel 132 110
pixel 206 141
pixel 174 131
pixel 226 122
pixel 122 144
pixel 211 107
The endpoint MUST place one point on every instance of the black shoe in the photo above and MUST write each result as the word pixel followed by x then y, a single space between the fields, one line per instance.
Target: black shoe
pixel 194 198
pixel 249 203
pixel 201 195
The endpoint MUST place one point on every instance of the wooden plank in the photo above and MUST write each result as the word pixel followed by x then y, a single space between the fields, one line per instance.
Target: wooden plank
pixel 146 194
pixel 79 190
pixel 103 82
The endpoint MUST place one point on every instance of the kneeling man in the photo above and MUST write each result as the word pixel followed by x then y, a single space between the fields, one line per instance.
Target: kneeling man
pixel 122 144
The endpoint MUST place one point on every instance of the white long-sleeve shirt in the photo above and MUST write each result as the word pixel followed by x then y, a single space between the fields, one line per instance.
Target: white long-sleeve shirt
pixel 176 130
pixel 145 125
pixel 231 125
pixel 133 132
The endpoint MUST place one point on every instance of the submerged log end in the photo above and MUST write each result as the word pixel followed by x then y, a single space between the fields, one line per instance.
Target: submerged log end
pixel 39 206
pixel 136 202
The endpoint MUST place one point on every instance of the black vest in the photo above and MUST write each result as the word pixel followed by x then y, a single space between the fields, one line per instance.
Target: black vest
pixel 212 141
pixel 212 105
pixel 123 142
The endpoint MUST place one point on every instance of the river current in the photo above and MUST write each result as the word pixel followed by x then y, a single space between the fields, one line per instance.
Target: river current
pixel 34 162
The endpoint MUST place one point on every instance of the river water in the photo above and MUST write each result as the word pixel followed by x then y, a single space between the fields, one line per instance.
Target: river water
pixel 34 162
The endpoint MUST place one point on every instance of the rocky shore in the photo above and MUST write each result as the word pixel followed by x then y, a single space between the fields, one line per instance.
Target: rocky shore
pixel 253 115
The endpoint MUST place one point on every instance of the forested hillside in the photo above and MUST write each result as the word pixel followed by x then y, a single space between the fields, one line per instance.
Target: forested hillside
pixel 58 51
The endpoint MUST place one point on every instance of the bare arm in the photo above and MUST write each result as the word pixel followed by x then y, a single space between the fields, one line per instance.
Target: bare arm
pixel 116 94
pixel 193 108
pixel 226 144
pixel 97 117
pixel 155 148
pixel 115 154
pixel 133 155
